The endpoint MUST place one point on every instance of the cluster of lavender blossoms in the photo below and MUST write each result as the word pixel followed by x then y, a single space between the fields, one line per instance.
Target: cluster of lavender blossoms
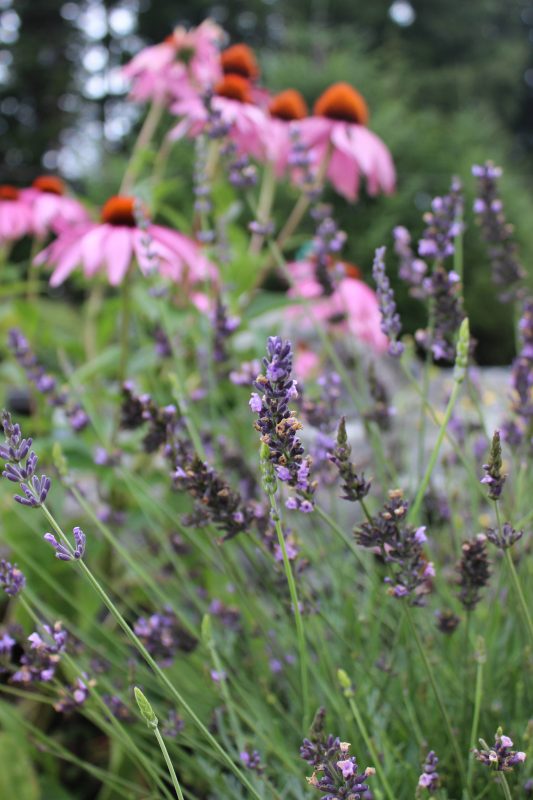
pixel 519 428
pixel 354 485
pixel 430 779
pixel 21 465
pixel 507 271
pixel 223 327
pixel 163 636
pixel 443 224
pixel 391 324
pixel 138 410
pixel 401 546
pixel 474 571
pixel 494 478
pixel 68 553
pixel 328 241
pixel 278 425
pixel 40 662
pixel 214 501
pixel 499 757
pixel 43 382
pixel 335 772
pixel 12 580
pixel 412 270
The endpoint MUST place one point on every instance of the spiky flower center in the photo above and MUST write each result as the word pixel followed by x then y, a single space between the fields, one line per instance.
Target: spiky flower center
pixel 342 102
pixel 234 87
pixel 239 59
pixel 288 105
pixel 119 211
pixel 49 184
pixel 8 192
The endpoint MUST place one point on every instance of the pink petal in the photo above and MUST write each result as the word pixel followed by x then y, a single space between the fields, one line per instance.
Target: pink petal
pixel 117 251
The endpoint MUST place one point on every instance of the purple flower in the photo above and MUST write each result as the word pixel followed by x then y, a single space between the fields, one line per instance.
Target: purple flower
pixel 474 572
pixel 429 778
pixel 68 553
pixel 40 661
pixel 12 580
pixel 494 478
pixel 500 757
pixel 390 319
pixel 443 224
pixel 507 272
pixel 278 425
pixel 21 464
pixel 401 547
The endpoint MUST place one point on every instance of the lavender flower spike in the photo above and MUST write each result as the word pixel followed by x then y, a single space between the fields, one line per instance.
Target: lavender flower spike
pixel 12 580
pixel 21 465
pixel 493 470
pixel 500 757
pixel 66 553
pixel 390 319
pixel 429 779
pixel 278 425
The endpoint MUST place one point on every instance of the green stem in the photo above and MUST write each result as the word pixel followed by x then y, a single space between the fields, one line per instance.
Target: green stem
pixel 505 787
pixel 514 577
pixel 371 749
pixel 300 635
pixel 149 126
pixel 475 718
pixel 266 198
pixel 415 508
pixel 125 314
pixel 438 697
pixel 169 764
pixel 136 642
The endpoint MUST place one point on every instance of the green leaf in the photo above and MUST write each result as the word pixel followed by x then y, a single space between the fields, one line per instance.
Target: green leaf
pixel 16 771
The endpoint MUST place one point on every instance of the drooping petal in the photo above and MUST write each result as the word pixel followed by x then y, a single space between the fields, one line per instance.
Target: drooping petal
pixel 117 251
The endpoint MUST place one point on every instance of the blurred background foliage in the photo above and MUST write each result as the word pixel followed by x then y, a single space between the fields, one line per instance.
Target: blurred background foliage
pixel 449 83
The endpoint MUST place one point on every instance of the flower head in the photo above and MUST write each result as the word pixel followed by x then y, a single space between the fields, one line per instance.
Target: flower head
pixel 278 425
pixel 500 757
pixel 52 209
pixel 15 214
pixel 12 579
pixel 239 59
pixel 68 553
pixel 507 271
pixel 494 478
pixel 429 779
pixel 185 63
pixel 21 465
pixel 337 134
pixel 124 234
pixel 474 571
pixel 390 319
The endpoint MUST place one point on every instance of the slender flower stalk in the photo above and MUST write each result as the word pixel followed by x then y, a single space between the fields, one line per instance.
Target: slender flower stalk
pixel 461 362
pixel 440 702
pixel 522 602
pixel 136 642
pixel 270 481
pixel 349 694
pixel 151 720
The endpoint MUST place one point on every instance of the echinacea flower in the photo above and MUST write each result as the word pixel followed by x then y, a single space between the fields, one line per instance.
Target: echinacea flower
pixel 239 59
pixel 337 132
pixel 15 214
pixel 51 208
pixel 229 111
pixel 185 61
pixel 352 306
pixel 119 239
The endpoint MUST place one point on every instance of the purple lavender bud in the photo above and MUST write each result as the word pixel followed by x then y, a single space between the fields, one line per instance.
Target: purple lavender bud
pixel 494 478
pixel 429 778
pixel 278 425
pixel 390 319
pixel 507 272
pixel 64 553
pixel 499 757
pixel 12 580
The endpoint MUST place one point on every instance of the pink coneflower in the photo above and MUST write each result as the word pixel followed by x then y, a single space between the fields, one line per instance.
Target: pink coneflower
pixel 339 125
pixel 52 210
pixel 15 214
pixel 117 240
pixel 232 104
pixel 185 61
pixel 239 59
pixel 352 308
